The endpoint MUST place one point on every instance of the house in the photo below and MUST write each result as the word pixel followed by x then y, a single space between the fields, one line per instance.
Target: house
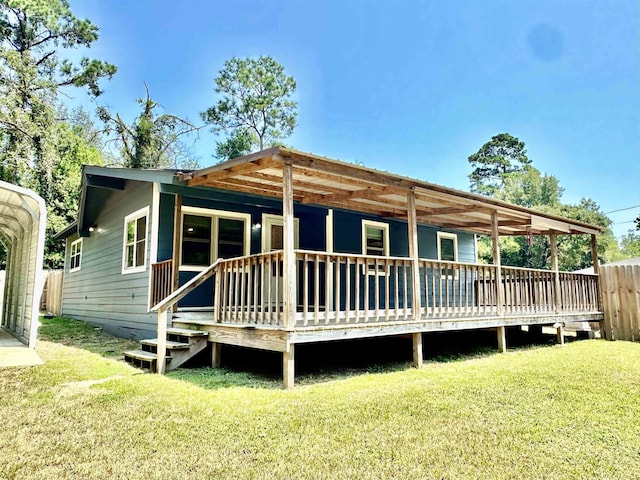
pixel 282 247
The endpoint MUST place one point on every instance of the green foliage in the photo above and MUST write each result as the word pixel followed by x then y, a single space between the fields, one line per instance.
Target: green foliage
pixel 256 106
pixel 152 140
pixel 524 185
pixel 630 244
pixel 35 149
pixel 496 159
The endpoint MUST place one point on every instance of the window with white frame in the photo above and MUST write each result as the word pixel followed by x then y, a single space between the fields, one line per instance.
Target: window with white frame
pixel 211 234
pixel 447 250
pixel 135 241
pixel 75 255
pixel 375 241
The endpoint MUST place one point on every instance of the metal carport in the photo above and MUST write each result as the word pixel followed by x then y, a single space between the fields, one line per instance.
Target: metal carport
pixel 23 217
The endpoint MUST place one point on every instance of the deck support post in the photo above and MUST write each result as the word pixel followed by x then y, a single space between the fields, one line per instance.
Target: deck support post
pixel 412 223
pixel 560 333
pixel 417 350
pixel 162 341
pixel 289 256
pixel 502 339
pixel 557 298
pixel 604 332
pixel 216 354
pixel 495 240
pixel 288 367
pixel 177 234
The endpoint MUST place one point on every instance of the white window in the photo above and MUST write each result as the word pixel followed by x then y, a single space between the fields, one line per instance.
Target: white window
pixel 211 234
pixel 375 242
pixel 448 252
pixel 134 255
pixel 273 232
pixel 75 256
pixel 447 247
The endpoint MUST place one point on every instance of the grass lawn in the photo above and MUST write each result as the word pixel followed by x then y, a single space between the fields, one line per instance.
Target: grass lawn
pixel 538 412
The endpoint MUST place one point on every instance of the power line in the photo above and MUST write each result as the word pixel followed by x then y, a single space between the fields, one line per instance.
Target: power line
pixel 621 209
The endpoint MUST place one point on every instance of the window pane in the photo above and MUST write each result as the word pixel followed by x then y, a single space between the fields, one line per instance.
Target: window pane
pixel 196 240
pixel 131 232
pixel 277 241
pixel 447 251
pixel 129 256
pixel 141 228
pixel 375 241
pixel 140 247
pixel 230 238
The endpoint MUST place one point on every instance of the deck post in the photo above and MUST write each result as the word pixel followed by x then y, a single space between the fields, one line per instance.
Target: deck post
pixel 604 333
pixel 560 334
pixel 557 298
pixel 417 350
pixel 412 223
pixel 289 256
pixel 495 240
pixel 288 367
pixel 216 354
pixel 502 339
pixel 177 235
pixel 161 355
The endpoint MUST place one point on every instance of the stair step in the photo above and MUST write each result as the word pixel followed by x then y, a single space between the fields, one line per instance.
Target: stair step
pixel 185 332
pixel 171 345
pixel 141 355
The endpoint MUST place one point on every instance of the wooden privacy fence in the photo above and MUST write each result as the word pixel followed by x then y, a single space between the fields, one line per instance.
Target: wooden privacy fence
pixel 51 299
pixel 621 301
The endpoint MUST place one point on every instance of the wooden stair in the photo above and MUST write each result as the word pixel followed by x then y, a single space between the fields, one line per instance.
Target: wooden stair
pixel 182 345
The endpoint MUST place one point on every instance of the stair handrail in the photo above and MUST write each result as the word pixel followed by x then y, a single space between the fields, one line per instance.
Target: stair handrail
pixel 170 300
pixel 186 289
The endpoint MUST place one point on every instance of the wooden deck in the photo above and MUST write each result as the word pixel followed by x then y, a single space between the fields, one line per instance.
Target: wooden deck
pixel 341 296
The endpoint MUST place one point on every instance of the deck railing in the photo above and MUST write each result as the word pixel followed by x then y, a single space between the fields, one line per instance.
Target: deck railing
pixel 161 281
pixel 345 289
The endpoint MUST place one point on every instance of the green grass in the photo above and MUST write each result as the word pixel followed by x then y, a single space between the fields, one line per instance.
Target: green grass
pixel 543 412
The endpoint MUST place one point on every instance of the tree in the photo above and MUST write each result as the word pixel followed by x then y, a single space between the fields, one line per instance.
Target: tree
pixel 526 186
pixel 499 157
pixel 630 244
pixel 33 33
pixel 256 106
pixel 152 140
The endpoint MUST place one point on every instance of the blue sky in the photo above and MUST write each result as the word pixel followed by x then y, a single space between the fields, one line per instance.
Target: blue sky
pixel 412 87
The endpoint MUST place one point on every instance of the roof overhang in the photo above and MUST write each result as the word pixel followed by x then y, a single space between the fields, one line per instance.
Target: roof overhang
pixel 335 184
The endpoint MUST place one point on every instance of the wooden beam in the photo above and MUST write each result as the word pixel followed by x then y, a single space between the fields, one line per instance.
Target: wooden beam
pixel 556 274
pixel 161 358
pixel 216 354
pixel 456 210
pixel 289 256
pixel 417 350
pixel 412 226
pixel 604 332
pixel 502 339
pixel 495 240
pixel 288 367
pixel 594 254
pixel 560 334
pixel 177 236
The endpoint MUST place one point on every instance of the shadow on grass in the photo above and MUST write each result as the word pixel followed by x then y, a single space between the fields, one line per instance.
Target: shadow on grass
pixel 78 334
pixel 338 360
pixel 315 363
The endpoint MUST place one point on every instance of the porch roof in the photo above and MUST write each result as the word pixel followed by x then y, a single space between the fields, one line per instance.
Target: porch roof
pixel 322 181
